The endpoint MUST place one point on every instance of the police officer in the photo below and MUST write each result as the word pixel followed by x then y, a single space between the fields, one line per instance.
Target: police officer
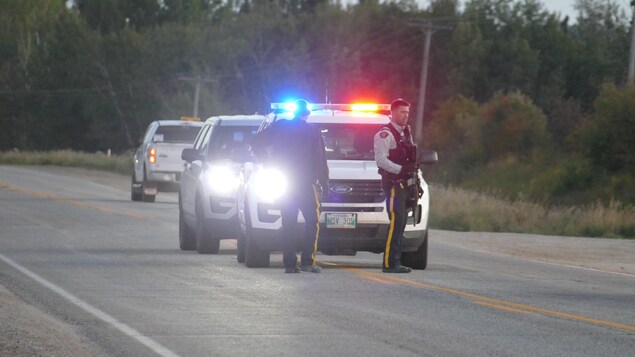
pixel 297 149
pixel 394 154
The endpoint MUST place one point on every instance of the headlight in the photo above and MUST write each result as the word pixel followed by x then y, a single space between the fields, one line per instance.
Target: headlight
pixel 270 184
pixel 222 179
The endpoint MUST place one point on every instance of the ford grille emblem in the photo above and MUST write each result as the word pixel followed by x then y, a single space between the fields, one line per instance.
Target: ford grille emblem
pixel 341 189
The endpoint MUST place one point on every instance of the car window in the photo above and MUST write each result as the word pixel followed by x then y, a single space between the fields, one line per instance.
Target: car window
pixel 176 134
pixel 229 140
pixel 349 141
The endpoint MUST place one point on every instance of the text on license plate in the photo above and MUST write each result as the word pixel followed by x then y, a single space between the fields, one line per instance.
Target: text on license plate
pixel 341 220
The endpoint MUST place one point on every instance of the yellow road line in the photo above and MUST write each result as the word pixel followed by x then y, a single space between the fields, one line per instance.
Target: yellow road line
pixel 377 280
pixel 58 198
pixel 500 307
pixel 491 301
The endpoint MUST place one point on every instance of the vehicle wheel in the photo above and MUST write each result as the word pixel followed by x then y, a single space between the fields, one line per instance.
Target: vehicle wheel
pixel 146 184
pixel 136 189
pixel 417 259
pixel 205 243
pixel 187 236
pixel 254 256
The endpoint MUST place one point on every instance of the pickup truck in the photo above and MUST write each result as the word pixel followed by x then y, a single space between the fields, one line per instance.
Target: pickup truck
pixel 157 160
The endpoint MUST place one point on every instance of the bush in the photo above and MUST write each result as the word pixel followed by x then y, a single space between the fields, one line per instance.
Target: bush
pixel 512 124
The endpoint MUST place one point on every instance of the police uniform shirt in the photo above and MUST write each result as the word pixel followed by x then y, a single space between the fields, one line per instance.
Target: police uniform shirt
pixel 384 142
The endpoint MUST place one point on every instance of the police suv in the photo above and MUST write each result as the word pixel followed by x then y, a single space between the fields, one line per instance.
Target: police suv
pixel 207 196
pixel 353 211
pixel 157 160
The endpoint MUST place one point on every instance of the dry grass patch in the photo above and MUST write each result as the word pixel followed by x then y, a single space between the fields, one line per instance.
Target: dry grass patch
pixel 98 161
pixel 458 209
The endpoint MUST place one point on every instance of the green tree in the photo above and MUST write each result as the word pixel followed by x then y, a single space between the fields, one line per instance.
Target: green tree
pixel 609 139
pixel 455 131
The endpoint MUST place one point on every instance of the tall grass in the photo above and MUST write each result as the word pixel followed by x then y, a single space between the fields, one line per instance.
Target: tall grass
pixel 457 209
pixel 98 161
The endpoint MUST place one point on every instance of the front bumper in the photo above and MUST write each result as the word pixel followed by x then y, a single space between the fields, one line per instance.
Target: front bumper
pixel 336 241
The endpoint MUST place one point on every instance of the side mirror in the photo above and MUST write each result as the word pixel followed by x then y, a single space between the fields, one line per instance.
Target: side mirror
pixel 428 157
pixel 239 155
pixel 190 155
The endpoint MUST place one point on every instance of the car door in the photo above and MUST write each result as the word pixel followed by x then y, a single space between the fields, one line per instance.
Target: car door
pixel 191 172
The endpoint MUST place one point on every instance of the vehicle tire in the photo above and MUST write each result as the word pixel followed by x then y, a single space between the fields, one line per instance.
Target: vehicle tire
pixel 187 236
pixel 240 248
pixel 144 184
pixel 254 256
pixel 417 259
pixel 205 243
pixel 136 193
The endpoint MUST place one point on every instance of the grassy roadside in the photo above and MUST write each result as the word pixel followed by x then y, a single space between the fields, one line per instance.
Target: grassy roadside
pixel 458 209
pixel 451 208
pixel 98 161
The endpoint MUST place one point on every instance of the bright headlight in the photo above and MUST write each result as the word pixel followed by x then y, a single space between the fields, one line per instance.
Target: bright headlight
pixel 222 179
pixel 270 184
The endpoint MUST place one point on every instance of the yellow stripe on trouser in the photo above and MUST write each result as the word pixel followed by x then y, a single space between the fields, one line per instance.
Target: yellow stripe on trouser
pixel 317 223
pixel 391 211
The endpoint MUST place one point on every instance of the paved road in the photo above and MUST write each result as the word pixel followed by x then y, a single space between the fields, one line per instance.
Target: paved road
pixel 110 270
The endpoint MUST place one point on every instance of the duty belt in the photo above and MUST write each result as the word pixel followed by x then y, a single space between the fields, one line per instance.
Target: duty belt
pixel 406 182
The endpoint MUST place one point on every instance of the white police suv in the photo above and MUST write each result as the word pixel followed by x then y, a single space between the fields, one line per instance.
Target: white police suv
pixel 353 212
pixel 157 160
pixel 207 196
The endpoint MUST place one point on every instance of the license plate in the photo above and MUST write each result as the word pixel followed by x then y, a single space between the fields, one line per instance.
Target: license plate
pixel 341 220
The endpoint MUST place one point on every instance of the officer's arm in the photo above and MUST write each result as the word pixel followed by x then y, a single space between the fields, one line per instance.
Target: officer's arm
pixel 382 143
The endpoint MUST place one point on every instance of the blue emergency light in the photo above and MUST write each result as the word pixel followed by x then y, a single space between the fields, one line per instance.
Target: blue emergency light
pixel 354 107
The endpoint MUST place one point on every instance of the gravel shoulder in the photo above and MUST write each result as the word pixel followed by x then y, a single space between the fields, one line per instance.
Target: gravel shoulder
pixel 609 255
pixel 27 331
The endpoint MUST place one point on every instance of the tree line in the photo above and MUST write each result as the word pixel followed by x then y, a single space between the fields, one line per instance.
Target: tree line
pixel 511 86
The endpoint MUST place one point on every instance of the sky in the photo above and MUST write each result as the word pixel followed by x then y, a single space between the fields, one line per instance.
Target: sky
pixel 565 7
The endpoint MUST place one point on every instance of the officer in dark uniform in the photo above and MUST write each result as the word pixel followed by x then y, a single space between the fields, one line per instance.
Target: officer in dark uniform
pixel 395 157
pixel 297 149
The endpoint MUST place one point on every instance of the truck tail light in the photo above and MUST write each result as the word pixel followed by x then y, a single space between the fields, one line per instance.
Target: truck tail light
pixel 152 155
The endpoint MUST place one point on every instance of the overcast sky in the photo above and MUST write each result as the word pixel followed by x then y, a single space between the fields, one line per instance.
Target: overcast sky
pixel 565 7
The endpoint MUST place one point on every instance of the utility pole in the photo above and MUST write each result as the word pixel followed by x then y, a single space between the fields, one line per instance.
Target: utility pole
pixel 198 81
pixel 631 62
pixel 429 29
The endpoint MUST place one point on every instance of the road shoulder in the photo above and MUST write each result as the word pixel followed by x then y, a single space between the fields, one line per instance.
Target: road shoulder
pixel 27 331
pixel 605 254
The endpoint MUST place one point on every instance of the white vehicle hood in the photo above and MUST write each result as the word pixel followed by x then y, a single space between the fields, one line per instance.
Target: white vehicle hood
pixel 353 170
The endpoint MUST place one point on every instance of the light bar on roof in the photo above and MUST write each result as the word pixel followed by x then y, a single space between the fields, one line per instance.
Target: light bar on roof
pixel 287 106
pixel 365 107
pixel 356 107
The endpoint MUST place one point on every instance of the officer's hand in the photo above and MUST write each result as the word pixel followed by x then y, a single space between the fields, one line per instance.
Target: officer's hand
pixel 324 189
pixel 408 168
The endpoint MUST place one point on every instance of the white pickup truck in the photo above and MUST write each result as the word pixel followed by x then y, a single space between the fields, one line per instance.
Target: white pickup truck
pixel 157 161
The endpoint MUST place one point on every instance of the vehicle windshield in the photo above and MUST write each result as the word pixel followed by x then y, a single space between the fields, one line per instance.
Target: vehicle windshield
pixel 349 141
pixel 176 134
pixel 227 141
